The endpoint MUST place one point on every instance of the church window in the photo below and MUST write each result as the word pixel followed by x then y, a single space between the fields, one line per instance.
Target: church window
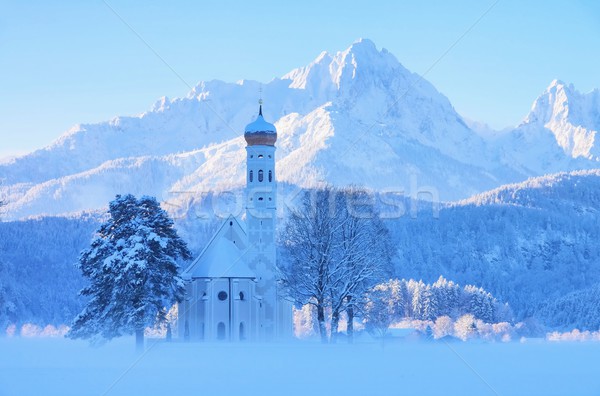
pixel 260 156
pixel 260 175
pixel 222 295
pixel 221 331
pixel 242 296
pixel 251 175
pixel 242 331
pixel 270 176
pixel 230 223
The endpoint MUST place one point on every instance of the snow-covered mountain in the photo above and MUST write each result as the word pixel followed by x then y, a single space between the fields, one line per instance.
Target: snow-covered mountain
pixel 354 117
pixel 558 134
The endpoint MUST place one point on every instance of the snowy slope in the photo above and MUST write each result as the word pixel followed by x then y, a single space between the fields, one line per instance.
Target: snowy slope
pixel 353 117
pixel 528 243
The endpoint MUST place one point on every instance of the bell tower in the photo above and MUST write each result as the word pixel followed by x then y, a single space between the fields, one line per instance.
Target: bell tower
pixel 261 208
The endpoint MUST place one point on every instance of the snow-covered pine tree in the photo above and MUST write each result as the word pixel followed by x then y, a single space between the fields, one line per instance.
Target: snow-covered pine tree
pixel 416 289
pixel 132 269
pixel 430 304
pixel 379 310
pixel 400 298
pixel 480 303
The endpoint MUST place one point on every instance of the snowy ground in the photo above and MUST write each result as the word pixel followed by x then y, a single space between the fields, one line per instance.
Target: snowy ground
pixel 64 367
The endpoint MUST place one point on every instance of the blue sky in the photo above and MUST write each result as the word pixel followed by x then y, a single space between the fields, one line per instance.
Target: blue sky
pixel 77 62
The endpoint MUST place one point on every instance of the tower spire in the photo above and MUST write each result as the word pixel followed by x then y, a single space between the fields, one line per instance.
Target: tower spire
pixel 260 101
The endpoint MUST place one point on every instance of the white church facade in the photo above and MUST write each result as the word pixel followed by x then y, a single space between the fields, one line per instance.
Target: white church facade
pixel 232 290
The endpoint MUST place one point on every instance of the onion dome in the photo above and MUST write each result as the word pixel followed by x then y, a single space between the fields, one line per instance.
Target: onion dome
pixel 260 132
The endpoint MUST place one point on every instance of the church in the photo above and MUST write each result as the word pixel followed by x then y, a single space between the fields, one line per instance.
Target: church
pixel 232 291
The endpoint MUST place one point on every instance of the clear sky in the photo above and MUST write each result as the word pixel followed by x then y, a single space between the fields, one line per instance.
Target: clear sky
pixel 71 62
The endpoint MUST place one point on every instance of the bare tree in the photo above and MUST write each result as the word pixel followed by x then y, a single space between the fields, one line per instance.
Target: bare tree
pixel 334 252
pixel 365 255
pixel 309 248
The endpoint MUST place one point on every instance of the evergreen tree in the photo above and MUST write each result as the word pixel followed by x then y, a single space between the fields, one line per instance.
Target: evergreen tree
pixel 132 269
pixel 417 288
pixel 379 310
pixel 430 304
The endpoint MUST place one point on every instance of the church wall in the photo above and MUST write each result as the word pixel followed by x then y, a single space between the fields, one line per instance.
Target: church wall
pixel 219 295
pixel 242 303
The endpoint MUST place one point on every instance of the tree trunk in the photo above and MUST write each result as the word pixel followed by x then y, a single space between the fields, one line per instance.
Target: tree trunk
pixel 139 340
pixel 350 331
pixel 169 333
pixel 321 320
pixel 335 321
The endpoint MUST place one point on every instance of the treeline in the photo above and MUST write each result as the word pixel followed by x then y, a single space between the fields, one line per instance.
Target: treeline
pixel 402 299
pixel 444 306
pixel 39 283
pixel 579 309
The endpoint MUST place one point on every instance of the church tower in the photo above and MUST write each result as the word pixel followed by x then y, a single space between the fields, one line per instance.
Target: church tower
pixel 231 287
pixel 261 208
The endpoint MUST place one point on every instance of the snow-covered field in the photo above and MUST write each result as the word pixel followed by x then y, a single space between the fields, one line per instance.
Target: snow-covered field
pixel 63 367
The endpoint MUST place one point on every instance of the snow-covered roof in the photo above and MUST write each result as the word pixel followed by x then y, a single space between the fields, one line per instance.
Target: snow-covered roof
pixel 260 132
pixel 224 256
pixel 260 125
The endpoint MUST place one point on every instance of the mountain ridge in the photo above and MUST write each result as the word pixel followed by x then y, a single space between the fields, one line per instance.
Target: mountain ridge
pixel 354 117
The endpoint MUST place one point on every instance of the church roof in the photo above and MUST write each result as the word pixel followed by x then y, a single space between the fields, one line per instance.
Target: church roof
pixel 260 132
pixel 224 256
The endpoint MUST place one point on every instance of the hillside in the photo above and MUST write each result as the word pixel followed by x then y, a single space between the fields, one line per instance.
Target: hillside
pixel 531 244
pixel 528 243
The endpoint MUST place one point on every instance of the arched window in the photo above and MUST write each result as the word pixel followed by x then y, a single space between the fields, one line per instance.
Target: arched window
pixel 242 331
pixel 242 296
pixel 260 156
pixel 270 176
pixel 221 331
pixel 260 175
pixel 251 175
